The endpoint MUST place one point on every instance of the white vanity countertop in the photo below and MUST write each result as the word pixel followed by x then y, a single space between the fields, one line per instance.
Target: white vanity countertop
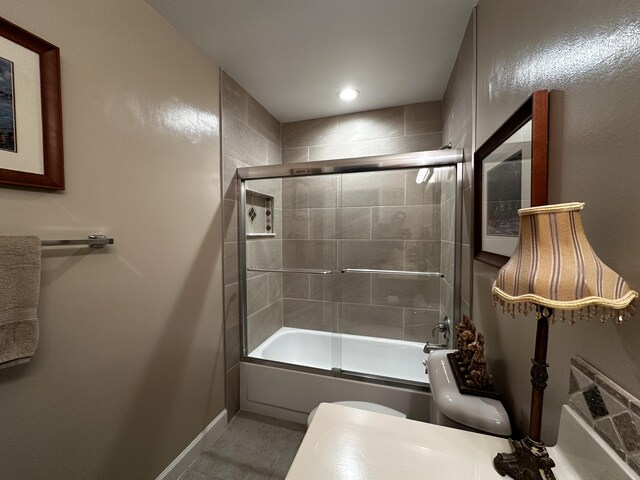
pixel 343 443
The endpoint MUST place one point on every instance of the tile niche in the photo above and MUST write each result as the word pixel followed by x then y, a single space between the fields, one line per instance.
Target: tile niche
pixel 260 215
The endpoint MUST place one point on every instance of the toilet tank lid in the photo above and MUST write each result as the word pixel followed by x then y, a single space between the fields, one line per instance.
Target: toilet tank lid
pixel 480 413
pixel 371 407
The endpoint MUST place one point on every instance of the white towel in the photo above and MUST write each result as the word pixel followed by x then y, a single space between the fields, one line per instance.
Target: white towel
pixel 19 294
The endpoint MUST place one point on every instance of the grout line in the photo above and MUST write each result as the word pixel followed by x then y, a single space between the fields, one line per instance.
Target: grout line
pixel 310 300
pixel 226 111
pixel 405 188
pixel 243 162
pixel 404 118
pixel 370 140
pixel 404 323
pixel 258 311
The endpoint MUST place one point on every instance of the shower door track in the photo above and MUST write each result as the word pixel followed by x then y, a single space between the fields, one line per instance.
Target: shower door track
pixel 426 159
pixel 344 374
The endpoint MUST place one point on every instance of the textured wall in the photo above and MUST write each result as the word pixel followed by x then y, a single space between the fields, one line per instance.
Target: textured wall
pixel 250 136
pixel 588 51
pixel 130 366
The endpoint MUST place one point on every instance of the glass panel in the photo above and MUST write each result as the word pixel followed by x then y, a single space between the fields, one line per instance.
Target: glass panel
pixel 299 322
pixel 263 252
pixel 447 179
pixel 393 221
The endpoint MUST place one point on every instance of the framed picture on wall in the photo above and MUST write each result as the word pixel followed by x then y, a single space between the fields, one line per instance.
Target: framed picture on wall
pixel 510 174
pixel 31 153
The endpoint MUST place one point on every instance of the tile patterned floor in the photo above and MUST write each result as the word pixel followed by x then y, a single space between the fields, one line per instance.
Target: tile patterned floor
pixel 253 447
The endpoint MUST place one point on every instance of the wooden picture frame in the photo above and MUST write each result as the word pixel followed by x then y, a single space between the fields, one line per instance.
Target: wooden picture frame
pixel 31 149
pixel 510 172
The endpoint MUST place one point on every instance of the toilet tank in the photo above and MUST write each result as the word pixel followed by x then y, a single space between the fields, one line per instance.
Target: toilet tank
pixel 450 408
pixel 438 418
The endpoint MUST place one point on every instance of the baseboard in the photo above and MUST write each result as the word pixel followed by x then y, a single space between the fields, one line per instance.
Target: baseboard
pixel 195 448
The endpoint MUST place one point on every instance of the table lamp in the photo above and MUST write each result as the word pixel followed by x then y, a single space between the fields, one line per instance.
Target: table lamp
pixel 553 269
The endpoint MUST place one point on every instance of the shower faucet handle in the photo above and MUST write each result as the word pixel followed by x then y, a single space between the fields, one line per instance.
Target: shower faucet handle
pixel 442 327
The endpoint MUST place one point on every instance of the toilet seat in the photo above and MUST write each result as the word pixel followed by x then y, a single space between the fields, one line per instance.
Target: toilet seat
pixel 368 406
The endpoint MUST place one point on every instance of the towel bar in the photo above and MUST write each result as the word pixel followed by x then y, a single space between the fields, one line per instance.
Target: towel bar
pixel 393 272
pixel 93 241
pixel 311 271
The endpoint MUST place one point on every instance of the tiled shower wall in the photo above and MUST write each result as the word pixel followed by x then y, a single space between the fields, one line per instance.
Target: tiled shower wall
pixel 387 221
pixel 250 136
pixel 457 113
pixel 447 242
pixel 381 220
pixel 407 128
pixel 264 290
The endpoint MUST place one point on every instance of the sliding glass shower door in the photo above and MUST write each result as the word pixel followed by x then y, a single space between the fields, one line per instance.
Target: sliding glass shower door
pixel 349 272
pixel 396 259
pixel 290 287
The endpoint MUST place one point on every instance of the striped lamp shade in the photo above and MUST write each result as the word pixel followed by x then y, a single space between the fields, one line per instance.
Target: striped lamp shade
pixel 555 267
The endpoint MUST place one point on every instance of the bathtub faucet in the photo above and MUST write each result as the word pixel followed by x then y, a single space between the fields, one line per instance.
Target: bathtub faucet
pixel 430 347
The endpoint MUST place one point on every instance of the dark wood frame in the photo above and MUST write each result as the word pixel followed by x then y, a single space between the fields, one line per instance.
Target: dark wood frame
pixel 50 97
pixel 536 109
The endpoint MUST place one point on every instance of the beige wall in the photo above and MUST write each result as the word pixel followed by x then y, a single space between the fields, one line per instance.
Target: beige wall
pixel 588 51
pixel 130 366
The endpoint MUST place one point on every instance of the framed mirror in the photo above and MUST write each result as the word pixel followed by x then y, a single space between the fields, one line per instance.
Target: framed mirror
pixel 510 173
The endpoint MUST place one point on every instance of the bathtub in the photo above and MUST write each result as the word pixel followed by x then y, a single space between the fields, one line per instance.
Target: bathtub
pixel 394 359
pixel 291 394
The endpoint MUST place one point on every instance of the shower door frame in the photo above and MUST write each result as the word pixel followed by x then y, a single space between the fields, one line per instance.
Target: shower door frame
pixel 424 159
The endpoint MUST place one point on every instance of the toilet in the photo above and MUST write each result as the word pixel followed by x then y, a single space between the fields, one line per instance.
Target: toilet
pixel 371 407
pixel 452 409
pixel 449 407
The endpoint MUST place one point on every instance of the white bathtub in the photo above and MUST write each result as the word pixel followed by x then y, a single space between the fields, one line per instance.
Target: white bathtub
pixel 396 359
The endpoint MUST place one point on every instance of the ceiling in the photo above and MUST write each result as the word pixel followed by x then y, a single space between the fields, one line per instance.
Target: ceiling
pixel 294 55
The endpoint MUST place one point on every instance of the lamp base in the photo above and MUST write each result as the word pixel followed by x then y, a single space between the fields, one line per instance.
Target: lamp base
pixel 530 461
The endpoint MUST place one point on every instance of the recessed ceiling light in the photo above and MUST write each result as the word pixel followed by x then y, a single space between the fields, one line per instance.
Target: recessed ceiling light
pixel 348 94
